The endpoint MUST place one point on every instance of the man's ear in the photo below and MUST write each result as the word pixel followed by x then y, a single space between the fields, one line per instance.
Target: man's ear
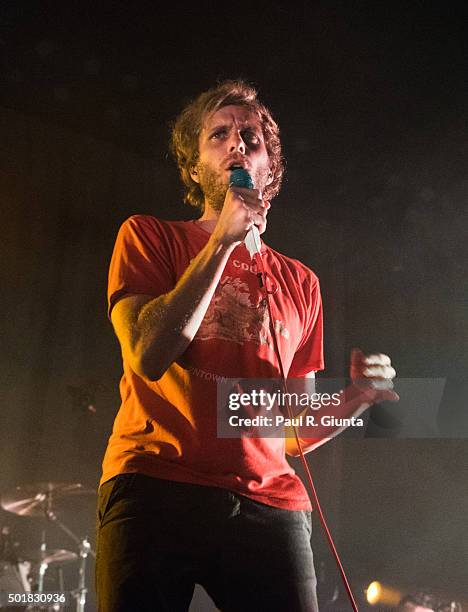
pixel 270 177
pixel 194 174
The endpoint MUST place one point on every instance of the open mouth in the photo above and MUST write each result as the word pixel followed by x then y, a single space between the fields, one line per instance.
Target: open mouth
pixel 236 165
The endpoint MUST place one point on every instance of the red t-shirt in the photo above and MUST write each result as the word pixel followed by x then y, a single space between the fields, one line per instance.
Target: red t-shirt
pixel 168 429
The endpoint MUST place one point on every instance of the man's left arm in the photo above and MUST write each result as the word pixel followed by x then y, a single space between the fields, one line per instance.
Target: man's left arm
pixel 371 382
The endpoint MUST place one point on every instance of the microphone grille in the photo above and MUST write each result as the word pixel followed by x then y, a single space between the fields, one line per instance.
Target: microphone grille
pixel 241 178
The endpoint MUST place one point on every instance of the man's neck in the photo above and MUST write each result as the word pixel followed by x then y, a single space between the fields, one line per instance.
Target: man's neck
pixel 209 219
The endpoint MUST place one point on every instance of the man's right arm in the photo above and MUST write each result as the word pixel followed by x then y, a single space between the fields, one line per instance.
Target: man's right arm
pixel 154 332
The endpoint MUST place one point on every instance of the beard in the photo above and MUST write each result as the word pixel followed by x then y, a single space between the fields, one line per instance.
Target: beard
pixel 214 187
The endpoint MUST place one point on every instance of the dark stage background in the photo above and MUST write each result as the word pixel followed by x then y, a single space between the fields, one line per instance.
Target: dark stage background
pixel 371 101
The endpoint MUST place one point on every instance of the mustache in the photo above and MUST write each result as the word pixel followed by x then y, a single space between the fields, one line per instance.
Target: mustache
pixel 236 159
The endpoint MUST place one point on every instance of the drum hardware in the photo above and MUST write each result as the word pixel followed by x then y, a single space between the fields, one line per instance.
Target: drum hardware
pixel 51 555
pixel 40 498
pixel 47 499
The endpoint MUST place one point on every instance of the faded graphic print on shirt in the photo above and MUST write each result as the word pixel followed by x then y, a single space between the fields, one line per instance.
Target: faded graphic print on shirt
pixel 232 316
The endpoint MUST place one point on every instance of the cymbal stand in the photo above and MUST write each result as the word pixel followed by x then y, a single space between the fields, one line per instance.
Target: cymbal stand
pixel 43 566
pixel 85 549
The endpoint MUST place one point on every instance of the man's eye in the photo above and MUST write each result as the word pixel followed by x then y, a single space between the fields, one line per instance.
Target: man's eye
pixel 218 134
pixel 251 137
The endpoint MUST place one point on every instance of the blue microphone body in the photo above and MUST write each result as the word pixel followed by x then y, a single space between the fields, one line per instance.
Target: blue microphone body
pixel 241 178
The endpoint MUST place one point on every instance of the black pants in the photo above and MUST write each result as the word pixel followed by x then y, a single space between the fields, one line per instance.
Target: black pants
pixel 157 538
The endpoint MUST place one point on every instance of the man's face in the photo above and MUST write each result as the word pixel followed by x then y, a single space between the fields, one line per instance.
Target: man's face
pixel 409 607
pixel 232 135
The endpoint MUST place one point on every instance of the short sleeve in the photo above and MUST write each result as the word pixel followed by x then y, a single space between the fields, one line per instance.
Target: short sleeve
pixel 140 262
pixel 309 354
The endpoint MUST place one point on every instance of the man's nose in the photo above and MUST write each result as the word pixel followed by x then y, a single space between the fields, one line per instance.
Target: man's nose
pixel 236 143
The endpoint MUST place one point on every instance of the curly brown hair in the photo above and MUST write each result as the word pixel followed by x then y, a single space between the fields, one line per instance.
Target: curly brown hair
pixel 187 127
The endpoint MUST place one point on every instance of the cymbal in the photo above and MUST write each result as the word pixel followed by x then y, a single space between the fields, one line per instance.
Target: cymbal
pixel 37 498
pixel 52 555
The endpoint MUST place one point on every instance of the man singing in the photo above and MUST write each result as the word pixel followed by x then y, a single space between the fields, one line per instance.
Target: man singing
pixel 177 504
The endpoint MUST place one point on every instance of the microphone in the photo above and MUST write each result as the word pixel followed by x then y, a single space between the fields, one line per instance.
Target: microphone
pixel 241 178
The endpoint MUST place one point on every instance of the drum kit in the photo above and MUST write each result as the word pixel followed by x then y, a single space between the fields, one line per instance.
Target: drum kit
pixel 37 573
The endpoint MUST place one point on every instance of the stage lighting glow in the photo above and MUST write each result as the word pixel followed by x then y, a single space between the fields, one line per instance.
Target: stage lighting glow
pixel 373 592
pixel 377 593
